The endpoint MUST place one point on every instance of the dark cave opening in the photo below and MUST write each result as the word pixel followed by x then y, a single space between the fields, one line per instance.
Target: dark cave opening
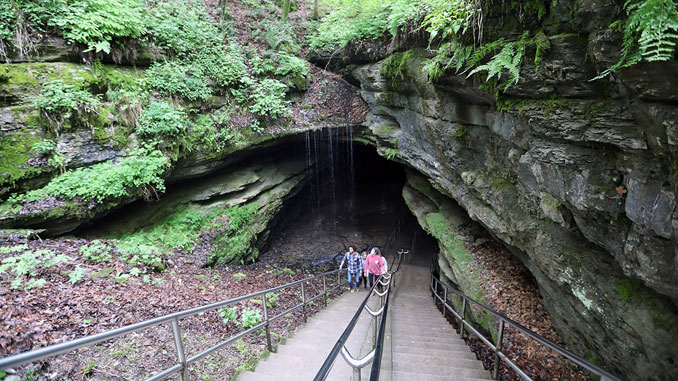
pixel 352 196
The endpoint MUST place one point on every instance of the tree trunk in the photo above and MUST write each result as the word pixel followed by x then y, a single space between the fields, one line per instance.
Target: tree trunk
pixel 315 9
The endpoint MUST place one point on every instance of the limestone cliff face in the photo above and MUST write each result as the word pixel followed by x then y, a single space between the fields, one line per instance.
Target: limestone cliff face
pixel 578 178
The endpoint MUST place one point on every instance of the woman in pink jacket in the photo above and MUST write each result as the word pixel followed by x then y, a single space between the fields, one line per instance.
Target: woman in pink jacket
pixel 374 265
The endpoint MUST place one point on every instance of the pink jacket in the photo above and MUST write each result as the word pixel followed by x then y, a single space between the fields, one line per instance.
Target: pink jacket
pixel 374 265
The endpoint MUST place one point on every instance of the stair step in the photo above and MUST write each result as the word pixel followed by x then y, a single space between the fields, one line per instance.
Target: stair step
pixel 433 370
pixel 418 344
pixel 410 376
pixel 426 361
pixel 431 339
pixel 444 353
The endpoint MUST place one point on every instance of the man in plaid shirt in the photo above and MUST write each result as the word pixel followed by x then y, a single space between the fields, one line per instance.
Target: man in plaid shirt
pixel 355 264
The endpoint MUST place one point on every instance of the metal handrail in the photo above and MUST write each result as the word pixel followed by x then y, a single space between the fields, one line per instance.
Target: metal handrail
pixel 387 279
pixel 503 320
pixel 173 319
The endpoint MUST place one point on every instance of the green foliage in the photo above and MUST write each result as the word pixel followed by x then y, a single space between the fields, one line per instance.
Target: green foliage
pixel 394 68
pixel 462 132
pixel 650 33
pixel 97 23
pixel 236 243
pixel 271 299
pixel 250 317
pixel 44 147
pixel 179 230
pixel 29 265
pixel 228 314
pixel 508 60
pixel 239 276
pixel 353 21
pixel 213 135
pixel 59 102
pixel 76 275
pixel 138 173
pixel 136 251
pixel 161 118
pixel 96 252
pixel 174 78
pixel 268 98
pixel 182 28
pixel 390 153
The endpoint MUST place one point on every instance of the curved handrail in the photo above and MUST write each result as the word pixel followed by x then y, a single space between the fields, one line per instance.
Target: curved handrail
pixel 496 347
pixel 173 319
pixel 336 349
pixel 387 279
pixel 379 348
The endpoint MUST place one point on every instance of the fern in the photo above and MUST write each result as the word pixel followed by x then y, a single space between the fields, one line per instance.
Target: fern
pixel 650 33
pixel 509 59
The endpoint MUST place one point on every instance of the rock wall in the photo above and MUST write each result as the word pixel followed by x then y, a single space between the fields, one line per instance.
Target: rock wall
pixel 578 178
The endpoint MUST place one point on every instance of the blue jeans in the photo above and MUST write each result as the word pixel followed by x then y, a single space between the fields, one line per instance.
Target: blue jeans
pixel 353 279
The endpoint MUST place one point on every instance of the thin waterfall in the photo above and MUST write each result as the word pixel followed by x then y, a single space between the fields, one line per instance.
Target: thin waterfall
pixel 331 157
pixel 316 172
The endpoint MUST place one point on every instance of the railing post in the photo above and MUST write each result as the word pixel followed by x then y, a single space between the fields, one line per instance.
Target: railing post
pixel 356 373
pixel 463 315
pixel 303 301
pixel 445 303
pixel 268 326
pixel 497 349
pixel 179 344
pixel 325 290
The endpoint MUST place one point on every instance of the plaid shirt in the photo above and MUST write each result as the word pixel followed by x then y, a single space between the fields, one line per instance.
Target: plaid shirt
pixel 355 262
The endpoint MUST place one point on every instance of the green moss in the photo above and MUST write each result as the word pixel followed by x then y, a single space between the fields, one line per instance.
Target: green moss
pixel 501 183
pixel 547 106
pixel 384 130
pixel 362 140
pixel 394 68
pixel 16 150
pixel 630 289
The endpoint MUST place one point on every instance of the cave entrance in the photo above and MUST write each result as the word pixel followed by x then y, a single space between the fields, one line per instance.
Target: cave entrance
pixel 352 196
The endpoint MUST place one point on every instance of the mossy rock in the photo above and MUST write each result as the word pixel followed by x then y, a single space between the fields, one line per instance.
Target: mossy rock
pixel 16 150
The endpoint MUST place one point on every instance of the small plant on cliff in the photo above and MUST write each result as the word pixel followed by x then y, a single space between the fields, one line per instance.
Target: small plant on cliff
pixel 174 78
pixel 98 23
pixel 164 120
pixel 60 102
pixel 650 33
pixel 141 172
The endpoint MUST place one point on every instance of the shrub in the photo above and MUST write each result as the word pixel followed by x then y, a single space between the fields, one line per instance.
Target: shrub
pixel 60 101
pixel 268 98
pixel 183 28
pixel 138 173
pixel 97 23
pixel 44 147
pixel 174 78
pixel 160 118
